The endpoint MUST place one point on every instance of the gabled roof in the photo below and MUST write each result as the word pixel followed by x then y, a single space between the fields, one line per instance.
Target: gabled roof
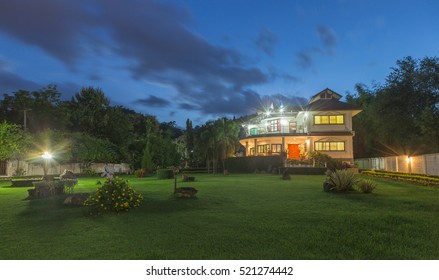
pixel 325 95
pixel 332 105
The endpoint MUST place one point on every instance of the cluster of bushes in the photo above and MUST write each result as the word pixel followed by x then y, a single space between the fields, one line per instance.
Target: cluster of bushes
pixel 114 195
pixel 411 177
pixel 345 181
pixel 324 160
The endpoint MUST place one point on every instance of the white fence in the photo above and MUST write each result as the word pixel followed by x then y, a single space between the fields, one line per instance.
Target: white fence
pixel 33 169
pixel 423 164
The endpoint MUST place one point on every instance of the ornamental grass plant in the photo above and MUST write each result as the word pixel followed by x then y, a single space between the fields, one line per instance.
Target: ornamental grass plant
pixel 342 180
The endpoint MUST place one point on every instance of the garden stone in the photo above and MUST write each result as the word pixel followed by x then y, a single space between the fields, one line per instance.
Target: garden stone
pixel 76 199
pixel 186 192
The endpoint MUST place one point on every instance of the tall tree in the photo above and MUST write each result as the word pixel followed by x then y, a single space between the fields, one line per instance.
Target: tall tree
pixel 189 142
pixel 89 110
pixel 227 132
pixel 402 115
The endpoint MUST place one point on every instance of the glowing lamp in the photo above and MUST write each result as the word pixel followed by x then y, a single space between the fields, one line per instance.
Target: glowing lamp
pixel 46 155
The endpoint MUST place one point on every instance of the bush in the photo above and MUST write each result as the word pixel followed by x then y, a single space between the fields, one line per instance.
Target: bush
pixel 23 182
pixel 114 195
pixel 342 180
pixel 139 173
pixel 366 185
pixel 286 174
pixel 165 173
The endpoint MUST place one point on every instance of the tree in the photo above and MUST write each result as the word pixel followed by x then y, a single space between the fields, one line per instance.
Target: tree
pixel 89 110
pixel 227 132
pixel 43 109
pixel 14 142
pixel 189 142
pixel 401 116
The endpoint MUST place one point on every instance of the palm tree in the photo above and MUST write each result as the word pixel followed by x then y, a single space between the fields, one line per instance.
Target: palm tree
pixel 227 132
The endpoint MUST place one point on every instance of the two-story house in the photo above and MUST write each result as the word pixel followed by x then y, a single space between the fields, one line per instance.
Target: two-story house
pixel 324 125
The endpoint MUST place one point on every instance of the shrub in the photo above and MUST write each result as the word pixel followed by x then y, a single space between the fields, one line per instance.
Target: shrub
pixel 165 173
pixel 114 195
pixel 366 185
pixel 286 174
pixel 342 180
pixel 139 173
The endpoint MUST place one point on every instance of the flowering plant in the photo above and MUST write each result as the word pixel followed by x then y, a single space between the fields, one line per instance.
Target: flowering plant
pixel 115 195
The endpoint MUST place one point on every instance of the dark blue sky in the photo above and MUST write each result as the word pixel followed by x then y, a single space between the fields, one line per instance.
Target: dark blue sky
pixel 208 58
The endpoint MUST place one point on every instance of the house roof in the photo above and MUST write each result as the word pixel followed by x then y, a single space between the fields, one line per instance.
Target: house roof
pixel 332 105
pixel 325 94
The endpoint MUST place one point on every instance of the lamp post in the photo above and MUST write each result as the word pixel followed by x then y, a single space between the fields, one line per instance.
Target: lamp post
pixel 46 156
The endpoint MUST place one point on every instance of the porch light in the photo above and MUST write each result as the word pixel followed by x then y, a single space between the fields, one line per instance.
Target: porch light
pixel 409 159
pixel 267 113
pixel 281 110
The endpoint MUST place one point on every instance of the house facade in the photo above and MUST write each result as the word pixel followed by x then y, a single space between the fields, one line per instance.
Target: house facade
pixel 324 125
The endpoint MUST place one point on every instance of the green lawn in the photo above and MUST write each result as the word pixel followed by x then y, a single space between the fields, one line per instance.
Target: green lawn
pixel 252 216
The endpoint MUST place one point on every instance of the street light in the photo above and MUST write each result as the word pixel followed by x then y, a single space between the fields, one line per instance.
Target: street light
pixel 46 156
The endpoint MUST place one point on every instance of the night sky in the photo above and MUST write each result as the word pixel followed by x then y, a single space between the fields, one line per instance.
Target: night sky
pixel 204 59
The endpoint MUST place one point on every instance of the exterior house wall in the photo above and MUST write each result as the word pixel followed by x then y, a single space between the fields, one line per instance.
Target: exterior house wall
pixel 347 126
pixel 346 155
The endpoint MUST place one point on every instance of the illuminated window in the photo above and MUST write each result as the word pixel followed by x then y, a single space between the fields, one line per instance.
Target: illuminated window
pixel 263 148
pixel 333 119
pixel 276 148
pixel 329 146
pixel 253 131
pixel 274 125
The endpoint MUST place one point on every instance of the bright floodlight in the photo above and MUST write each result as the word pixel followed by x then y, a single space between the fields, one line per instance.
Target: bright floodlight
pixel 46 155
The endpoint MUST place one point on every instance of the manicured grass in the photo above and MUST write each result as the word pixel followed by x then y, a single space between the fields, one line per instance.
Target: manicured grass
pixel 252 216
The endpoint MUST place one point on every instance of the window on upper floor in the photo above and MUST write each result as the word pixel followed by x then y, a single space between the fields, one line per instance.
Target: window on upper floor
pixel 329 146
pixel 329 119
pixel 254 131
pixel 274 125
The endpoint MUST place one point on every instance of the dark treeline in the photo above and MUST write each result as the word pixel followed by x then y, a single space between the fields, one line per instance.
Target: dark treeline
pixel 400 117
pixel 88 129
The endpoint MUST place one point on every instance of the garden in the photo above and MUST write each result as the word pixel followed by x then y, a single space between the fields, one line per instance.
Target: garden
pixel 245 216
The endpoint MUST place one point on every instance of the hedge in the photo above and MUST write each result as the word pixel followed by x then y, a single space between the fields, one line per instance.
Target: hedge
pixel 24 182
pixel 411 177
pixel 304 170
pixel 250 164
pixel 165 173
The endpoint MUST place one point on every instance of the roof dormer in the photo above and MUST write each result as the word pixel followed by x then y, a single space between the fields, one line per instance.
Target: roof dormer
pixel 325 94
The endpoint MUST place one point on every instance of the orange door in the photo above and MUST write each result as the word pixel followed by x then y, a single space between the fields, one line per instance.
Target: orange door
pixel 293 151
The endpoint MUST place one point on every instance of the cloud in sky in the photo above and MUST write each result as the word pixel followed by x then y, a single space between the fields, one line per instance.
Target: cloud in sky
pixel 327 37
pixel 11 82
pixel 266 41
pixel 151 37
pixel 153 101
